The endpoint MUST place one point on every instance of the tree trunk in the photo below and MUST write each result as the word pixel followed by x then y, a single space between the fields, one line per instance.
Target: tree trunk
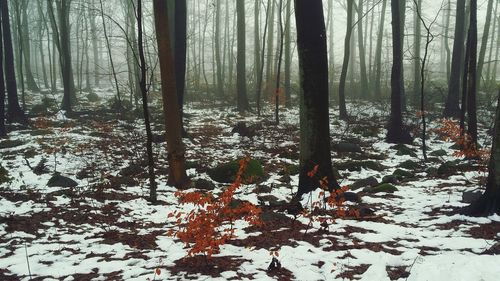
pixel 314 120
pixel 3 130
pixel 14 112
pixel 489 202
pixel 451 107
pixel 30 81
pixel 378 53
pixel 175 147
pixel 241 86
pixel 396 131
pixel 473 74
pixel 218 61
pixel 270 47
pixel 95 49
pixel 288 55
pixel 446 44
pixel 149 135
pixel 484 42
pixel 180 53
pixel 362 56
pixel 416 52
pixel 345 64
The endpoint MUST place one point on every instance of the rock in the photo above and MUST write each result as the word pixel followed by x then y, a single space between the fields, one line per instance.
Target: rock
pixel 401 174
pixel 93 97
pixel 357 165
pixel 493 250
pixel 351 196
pixel 447 168
pixel 346 147
pixel 4 175
pixel 290 169
pixel 10 143
pixel 226 173
pixel 404 150
pixel 390 179
pixel 41 168
pixel 131 170
pixel 384 187
pixel 471 196
pixel 270 200
pixel 159 138
pixel 438 153
pixel 409 165
pixel 368 182
pixel 61 181
pixel 204 184
pixel 431 171
pixel 243 130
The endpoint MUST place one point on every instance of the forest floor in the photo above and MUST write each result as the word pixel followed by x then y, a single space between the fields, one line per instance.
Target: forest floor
pixel 104 228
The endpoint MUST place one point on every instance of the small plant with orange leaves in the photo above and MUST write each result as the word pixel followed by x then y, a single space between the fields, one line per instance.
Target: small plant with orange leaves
pixel 450 130
pixel 210 224
pixel 326 209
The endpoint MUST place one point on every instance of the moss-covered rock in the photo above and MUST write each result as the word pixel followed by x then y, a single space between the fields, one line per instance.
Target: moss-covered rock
pixel 61 181
pixel 384 187
pixel 362 183
pixel 357 165
pixel 93 97
pixel 390 179
pixel 10 143
pixel 401 174
pixel 409 165
pixel 204 184
pixel 448 168
pixel 226 173
pixel 346 147
pixel 404 150
pixel 4 175
pixel 438 153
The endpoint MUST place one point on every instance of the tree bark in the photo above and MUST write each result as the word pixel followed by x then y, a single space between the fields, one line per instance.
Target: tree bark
pixel 175 147
pixel 484 42
pixel 362 56
pixel 378 53
pixel 314 120
pixel 451 107
pixel 396 131
pixel 241 86
pixel 14 112
pixel 473 74
pixel 345 64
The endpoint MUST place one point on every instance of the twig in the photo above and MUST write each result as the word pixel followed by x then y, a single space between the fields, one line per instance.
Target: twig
pixel 27 259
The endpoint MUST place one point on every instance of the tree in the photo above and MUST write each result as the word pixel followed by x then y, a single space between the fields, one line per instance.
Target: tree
pixel 378 52
pixel 489 202
pixel 25 42
pixel 345 64
pixel 396 131
pixel 14 112
pixel 175 147
pixel 61 31
pixel 416 52
pixel 144 91
pixel 451 107
pixel 241 87
pixel 3 130
pixel 484 42
pixel 362 63
pixel 314 120
pixel 180 44
pixel 472 73
pixel 288 55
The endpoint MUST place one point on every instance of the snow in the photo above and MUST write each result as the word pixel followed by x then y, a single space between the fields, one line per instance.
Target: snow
pixel 416 230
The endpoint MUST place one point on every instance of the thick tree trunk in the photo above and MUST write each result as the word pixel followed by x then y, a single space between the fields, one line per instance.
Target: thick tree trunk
pixel 180 53
pixel 241 86
pixel 314 120
pixel 396 131
pixel 14 112
pixel 489 202
pixel 175 147
pixel 451 107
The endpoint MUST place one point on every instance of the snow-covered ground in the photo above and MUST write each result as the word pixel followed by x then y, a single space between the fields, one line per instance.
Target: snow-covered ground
pixel 105 228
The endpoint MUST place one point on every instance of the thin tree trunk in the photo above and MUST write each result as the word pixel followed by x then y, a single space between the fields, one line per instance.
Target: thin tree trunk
pixel 345 64
pixel 484 42
pixel 242 100
pixel 378 53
